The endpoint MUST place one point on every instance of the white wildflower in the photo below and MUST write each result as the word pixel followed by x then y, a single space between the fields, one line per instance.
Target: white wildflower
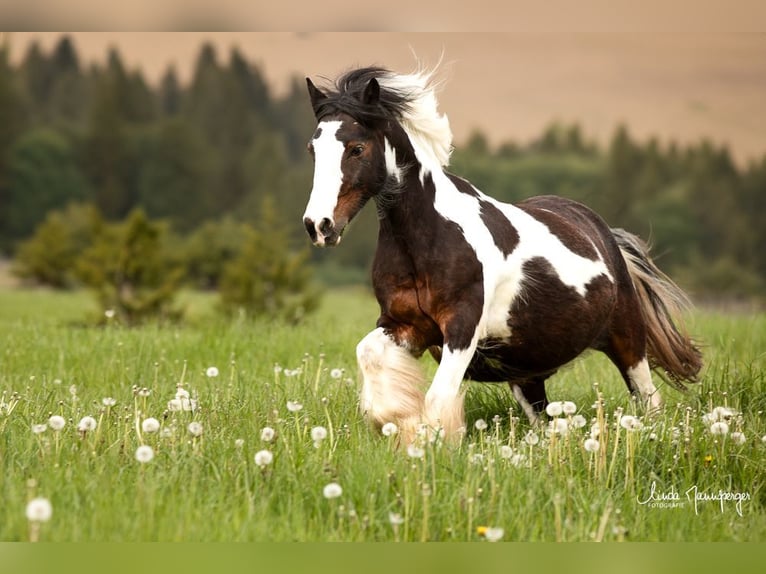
pixel 721 414
pixel 738 437
pixel 150 425
pixel 336 373
pixel 517 459
pixel 174 405
pixel 263 458
pixel 267 434
pixel 39 510
pixel 389 429
pixel 591 445
pixel 109 313
pixel 167 432
pixel 87 424
pixel 414 451
pixel 559 426
pixel 332 490
pixel 506 451
pixel 554 409
pixel 719 428
pixel 239 443
pixel 395 518
pixel 39 428
pixel 195 428
pixel 476 458
pixel 531 438
pixel 277 369
pixel 109 401
pixel 493 534
pixel 578 421
pixel 318 434
pixel 631 423
pixel 56 422
pixel 211 372
pixel 182 393
pixel 480 424
pixel 294 406
pixel 144 453
pixel 595 430
pixel 144 392
pixel 568 408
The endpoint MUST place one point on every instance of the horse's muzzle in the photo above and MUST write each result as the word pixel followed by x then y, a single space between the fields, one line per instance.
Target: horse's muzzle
pixel 323 233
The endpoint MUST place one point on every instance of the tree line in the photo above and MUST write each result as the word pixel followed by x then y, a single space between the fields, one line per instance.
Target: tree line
pixel 205 156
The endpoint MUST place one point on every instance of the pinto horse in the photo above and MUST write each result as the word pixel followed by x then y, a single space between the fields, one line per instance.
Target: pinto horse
pixel 495 292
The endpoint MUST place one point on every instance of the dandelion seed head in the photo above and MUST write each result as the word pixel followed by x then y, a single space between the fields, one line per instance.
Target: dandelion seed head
pixel 174 405
pixel 389 429
pixel 56 422
pixel 722 414
pixel 166 432
pixel 195 428
pixel 506 451
pixel 591 445
pixel 568 408
pixel 517 459
pixel 211 372
pixel 631 423
pixel 182 393
pixel 336 373
pixel 39 510
pixel 480 424
pixel 239 443
pixel 531 438
pixel 109 313
pixel 87 424
pixel 109 401
pixel 144 454
pixel 554 409
pixel 318 434
pixel 294 406
pixel 144 392
pixel 332 490
pixel 719 428
pixel 263 458
pixel 559 426
pixel 414 451
pixel 267 434
pixel 738 437
pixel 578 421
pixel 150 425
pixel 39 428
pixel 395 519
pixel 493 534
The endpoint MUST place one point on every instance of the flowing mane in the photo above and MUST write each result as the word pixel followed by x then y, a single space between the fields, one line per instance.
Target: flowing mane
pixel 409 99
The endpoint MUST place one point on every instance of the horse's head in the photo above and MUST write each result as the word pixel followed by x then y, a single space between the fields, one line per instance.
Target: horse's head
pixel 350 157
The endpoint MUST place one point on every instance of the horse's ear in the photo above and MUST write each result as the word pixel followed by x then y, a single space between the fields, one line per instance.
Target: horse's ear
pixel 371 92
pixel 315 94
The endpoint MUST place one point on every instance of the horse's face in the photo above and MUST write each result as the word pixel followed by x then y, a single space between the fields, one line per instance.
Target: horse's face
pixel 349 168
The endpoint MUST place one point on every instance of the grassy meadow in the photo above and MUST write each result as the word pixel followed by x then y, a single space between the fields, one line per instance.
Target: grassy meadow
pixel 237 453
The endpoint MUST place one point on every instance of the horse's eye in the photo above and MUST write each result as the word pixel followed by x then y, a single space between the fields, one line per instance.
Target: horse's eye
pixel 356 151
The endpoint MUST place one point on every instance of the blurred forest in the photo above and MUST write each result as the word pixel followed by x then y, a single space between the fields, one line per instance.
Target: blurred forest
pixel 85 144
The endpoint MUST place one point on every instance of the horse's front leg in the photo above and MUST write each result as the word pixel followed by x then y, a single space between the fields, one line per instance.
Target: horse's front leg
pixel 392 382
pixel 444 410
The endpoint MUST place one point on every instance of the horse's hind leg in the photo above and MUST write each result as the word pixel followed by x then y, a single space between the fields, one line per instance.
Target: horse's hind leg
pixel 530 394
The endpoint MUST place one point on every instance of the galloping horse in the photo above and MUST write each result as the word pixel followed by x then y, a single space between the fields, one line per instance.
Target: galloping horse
pixel 495 292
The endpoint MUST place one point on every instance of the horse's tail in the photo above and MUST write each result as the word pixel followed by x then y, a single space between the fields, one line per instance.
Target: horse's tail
pixel 662 303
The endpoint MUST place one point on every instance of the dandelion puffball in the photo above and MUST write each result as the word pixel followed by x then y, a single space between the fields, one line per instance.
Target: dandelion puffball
pixel 332 490
pixel 389 429
pixel 591 445
pixel 414 451
pixel 150 425
pixel 568 408
pixel 87 424
pixel 719 428
pixel 263 458
pixel 493 534
pixel 212 372
pixel 554 409
pixel 39 510
pixel 336 373
pixel 294 406
pixel 738 437
pixel 56 422
pixel 480 424
pixel 39 428
pixel 267 434
pixel 318 434
pixel 144 453
pixel 195 428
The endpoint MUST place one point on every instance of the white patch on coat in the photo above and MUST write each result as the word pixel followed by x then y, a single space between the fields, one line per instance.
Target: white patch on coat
pixel 328 153
pixel 526 406
pixel 503 275
pixel 390 155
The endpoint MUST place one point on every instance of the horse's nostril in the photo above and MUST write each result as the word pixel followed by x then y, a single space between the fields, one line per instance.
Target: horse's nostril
pixel 325 227
pixel 309 223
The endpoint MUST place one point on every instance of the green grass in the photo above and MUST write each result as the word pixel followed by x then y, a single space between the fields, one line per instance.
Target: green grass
pixel 208 488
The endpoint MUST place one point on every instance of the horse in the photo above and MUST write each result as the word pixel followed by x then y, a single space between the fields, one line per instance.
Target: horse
pixel 495 292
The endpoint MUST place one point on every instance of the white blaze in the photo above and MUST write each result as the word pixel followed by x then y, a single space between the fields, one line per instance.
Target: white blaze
pixel 328 153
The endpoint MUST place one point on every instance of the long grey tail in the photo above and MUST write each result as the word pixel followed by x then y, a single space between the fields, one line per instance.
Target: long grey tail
pixel 662 303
